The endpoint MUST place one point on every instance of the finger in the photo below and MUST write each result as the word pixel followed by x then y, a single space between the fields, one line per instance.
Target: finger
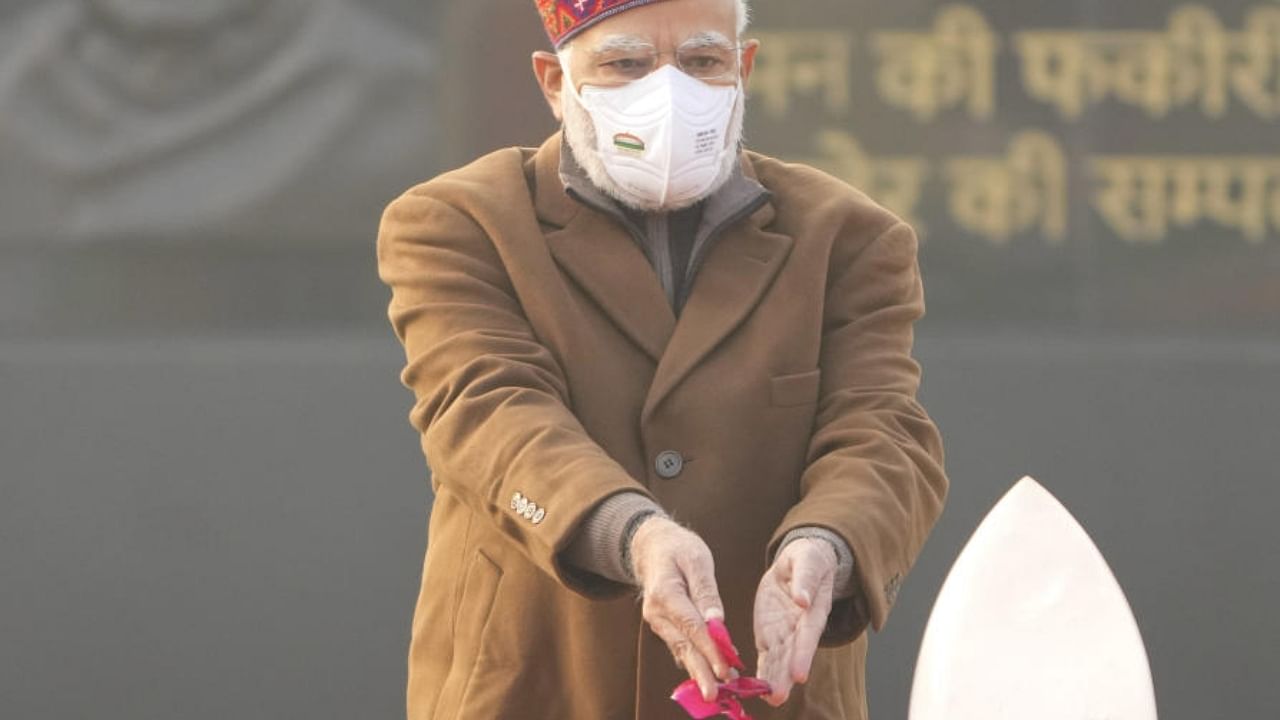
pixel 703 603
pixel 772 665
pixel 772 668
pixel 701 672
pixel 671 602
pixel 808 635
pixel 691 625
pixel 687 657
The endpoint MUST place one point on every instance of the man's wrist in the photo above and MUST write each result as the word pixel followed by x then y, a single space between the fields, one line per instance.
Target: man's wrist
pixel 629 533
pixel 598 546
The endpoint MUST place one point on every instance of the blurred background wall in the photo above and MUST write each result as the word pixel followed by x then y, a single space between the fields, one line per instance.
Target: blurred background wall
pixel 211 503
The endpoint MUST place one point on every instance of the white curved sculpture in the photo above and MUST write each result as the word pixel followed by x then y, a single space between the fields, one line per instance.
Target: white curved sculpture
pixel 1031 625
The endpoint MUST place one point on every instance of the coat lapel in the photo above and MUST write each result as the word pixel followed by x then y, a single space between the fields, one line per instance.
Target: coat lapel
pixel 607 264
pixel 602 259
pixel 733 279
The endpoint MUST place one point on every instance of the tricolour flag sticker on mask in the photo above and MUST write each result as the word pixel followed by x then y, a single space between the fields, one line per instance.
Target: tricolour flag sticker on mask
pixel 628 142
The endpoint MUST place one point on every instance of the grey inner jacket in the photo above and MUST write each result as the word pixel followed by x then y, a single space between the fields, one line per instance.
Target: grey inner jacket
pixel 675 244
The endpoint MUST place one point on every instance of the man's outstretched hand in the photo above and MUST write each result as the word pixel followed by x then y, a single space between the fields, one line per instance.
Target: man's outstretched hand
pixel 678 580
pixel 792 605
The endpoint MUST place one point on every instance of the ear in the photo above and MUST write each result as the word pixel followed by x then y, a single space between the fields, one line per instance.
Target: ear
pixel 550 77
pixel 749 49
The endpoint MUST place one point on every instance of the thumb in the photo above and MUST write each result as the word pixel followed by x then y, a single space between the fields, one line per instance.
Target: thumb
pixel 806 577
pixel 801 595
pixel 701 578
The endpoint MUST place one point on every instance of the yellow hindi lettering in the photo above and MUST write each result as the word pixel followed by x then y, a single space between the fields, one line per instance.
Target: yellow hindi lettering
pixel 997 197
pixel 1138 70
pixel 954 64
pixel 803 64
pixel 1255 62
pixel 1073 70
pixel 1133 198
pixel 1198 60
pixel 1141 198
pixel 1057 69
pixel 1194 62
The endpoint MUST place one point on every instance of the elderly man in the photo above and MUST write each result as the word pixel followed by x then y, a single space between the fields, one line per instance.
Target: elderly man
pixel 645 358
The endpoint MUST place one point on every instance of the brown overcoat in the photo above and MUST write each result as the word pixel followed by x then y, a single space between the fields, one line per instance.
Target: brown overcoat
pixel 548 366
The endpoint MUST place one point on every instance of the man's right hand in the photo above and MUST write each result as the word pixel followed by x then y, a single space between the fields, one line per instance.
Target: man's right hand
pixel 678 582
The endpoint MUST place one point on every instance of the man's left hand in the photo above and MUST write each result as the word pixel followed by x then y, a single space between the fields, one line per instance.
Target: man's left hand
pixel 792 605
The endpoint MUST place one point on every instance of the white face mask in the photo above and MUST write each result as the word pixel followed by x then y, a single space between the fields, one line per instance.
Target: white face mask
pixel 663 139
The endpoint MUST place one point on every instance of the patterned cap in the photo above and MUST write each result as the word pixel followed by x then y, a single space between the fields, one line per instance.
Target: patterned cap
pixel 566 18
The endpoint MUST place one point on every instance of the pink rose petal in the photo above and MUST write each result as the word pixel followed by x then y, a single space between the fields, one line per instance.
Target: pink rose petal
pixel 689 697
pixel 720 634
pixel 733 710
pixel 726 703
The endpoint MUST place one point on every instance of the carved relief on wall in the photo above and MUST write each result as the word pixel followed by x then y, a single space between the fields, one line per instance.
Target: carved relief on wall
pixel 186 121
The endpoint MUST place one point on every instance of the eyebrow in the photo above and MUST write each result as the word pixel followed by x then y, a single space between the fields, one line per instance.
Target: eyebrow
pixel 626 43
pixel 622 43
pixel 705 39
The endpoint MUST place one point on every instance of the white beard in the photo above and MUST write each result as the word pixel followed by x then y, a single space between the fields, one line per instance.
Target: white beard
pixel 580 134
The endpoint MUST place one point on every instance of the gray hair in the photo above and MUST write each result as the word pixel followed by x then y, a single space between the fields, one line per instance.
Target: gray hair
pixel 744 15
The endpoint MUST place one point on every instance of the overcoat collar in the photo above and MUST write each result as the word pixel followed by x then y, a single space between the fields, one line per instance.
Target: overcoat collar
pixel 597 252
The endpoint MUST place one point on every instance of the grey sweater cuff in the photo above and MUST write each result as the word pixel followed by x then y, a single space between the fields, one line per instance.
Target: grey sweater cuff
pixel 597 547
pixel 843 587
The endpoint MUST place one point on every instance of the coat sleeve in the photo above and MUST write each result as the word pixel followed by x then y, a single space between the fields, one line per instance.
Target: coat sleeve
pixel 491 402
pixel 874 470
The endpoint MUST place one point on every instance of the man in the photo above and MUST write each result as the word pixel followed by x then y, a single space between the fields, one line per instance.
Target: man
pixel 646 359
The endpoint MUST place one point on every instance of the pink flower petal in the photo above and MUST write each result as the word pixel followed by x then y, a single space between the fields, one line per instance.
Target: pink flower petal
pixel 689 697
pixel 733 710
pixel 720 634
pixel 726 703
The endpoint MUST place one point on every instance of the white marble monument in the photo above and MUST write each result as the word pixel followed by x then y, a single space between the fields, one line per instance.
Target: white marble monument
pixel 1032 625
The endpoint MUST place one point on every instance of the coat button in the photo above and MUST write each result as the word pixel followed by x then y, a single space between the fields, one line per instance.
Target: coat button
pixel 669 463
